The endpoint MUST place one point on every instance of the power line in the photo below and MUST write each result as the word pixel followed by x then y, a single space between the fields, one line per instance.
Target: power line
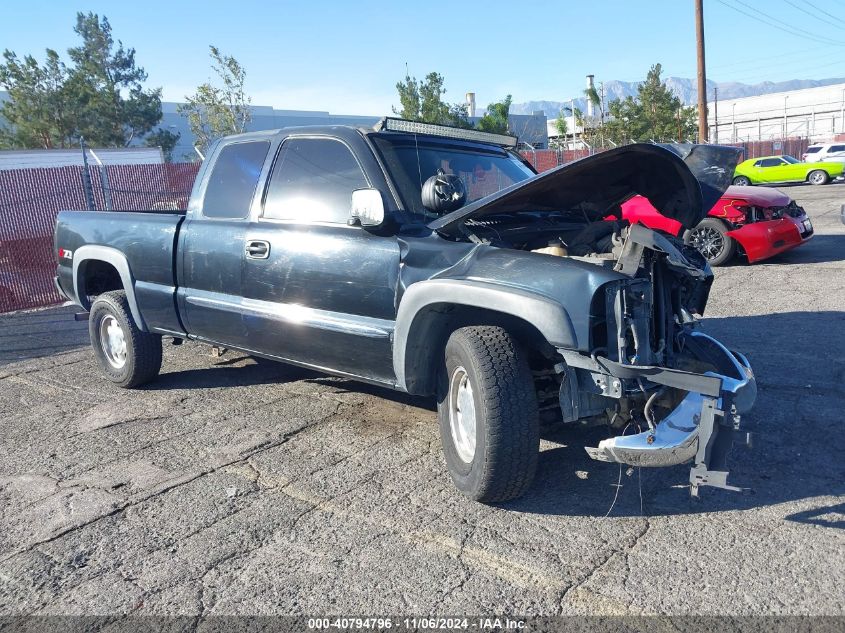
pixel 786 24
pixel 744 77
pixel 825 12
pixel 810 13
pixel 768 58
pixel 789 30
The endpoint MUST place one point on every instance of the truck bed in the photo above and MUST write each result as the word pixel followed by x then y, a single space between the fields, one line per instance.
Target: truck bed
pixel 147 239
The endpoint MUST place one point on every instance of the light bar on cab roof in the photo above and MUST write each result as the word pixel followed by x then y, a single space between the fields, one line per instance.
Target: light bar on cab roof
pixel 415 127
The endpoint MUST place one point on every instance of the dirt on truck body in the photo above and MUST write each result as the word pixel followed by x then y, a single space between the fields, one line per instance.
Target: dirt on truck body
pixel 436 262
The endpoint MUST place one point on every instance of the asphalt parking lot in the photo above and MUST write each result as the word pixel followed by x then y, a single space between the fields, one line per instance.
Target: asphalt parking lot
pixel 235 487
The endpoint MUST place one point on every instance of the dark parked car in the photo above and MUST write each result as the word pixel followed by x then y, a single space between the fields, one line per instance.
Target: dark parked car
pixel 436 262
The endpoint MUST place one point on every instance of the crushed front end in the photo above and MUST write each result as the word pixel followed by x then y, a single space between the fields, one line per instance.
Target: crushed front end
pixel 674 393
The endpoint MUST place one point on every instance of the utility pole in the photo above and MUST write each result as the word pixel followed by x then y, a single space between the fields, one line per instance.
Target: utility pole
pixel 702 73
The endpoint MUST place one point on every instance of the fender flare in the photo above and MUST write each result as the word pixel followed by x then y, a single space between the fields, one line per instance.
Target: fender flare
pixel 117 259
pixel 547 315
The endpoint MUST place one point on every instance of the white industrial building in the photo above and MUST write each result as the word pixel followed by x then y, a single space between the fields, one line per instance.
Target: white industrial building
pixel 814 113
pixel 35 158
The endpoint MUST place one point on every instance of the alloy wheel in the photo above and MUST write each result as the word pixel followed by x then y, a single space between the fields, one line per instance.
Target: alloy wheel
pixel 707 241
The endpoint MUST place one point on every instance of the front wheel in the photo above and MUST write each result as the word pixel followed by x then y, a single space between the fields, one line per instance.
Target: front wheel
pixel 818 177
pixel 711 240
pixel 487 409
pixel 127 356
pixel 742 181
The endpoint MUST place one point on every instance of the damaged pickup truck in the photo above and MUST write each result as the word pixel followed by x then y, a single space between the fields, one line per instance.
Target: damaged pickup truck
pixel 435 261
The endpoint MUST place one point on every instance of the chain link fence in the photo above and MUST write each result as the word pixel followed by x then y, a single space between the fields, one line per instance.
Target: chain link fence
pixel 30 199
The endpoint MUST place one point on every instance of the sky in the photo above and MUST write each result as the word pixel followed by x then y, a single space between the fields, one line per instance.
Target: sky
pixel 346 57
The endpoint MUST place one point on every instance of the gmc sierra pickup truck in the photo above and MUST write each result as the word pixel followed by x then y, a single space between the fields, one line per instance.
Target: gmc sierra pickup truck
pixel 435 261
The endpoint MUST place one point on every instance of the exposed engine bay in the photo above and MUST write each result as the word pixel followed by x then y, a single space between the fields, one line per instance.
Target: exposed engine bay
pixel 674 393
pixel 641 321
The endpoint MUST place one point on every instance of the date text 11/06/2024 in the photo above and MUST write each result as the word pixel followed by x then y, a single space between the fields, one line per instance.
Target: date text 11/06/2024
pixel 415 624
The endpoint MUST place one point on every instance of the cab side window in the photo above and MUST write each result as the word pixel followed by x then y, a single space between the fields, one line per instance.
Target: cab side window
pixel 769 162
pixel 233 179
pixel 312 181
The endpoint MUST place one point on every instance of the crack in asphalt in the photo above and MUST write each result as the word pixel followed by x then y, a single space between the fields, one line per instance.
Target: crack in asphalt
pixel 625 551
pixel 141 498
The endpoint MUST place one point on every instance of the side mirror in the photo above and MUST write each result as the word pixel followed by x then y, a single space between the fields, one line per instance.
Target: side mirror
pixel 367 207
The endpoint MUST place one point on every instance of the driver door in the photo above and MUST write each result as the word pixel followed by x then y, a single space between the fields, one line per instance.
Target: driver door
pixel 320 291
pixel 770 170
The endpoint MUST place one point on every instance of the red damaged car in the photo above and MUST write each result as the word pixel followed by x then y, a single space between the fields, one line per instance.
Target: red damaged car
pixel 754 221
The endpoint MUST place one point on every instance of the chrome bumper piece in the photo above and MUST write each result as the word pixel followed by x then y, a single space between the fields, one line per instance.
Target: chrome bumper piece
pixel 701 428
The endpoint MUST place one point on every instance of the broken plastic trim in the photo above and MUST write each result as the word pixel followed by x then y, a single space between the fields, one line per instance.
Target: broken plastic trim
pixel 701 427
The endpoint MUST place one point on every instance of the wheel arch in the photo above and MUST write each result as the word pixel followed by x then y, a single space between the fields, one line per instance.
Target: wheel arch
pixel 430 311
pixel 104 259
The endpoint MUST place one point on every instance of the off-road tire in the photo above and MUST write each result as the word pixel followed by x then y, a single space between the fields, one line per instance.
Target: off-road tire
pixel 818 177
pixel 728 250
pixel 742 181
pixel 507 420
pixel 143 349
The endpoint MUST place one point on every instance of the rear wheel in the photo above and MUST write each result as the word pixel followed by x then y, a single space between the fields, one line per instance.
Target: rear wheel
pixel 487 409
pixel 818 177
pixel 742 181
pixel 127 356
pixel 711 240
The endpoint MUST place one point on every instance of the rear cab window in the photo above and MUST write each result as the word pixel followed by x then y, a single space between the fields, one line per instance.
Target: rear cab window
pixel 813 150
pixel 233 179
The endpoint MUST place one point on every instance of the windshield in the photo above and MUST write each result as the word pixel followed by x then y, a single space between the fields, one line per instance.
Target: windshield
pixel 412 160
pixel 790 160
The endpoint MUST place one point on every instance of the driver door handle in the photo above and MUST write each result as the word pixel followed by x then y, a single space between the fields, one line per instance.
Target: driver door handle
pixel 257 249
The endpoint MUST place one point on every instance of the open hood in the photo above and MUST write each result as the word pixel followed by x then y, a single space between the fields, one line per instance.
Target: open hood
pixel 681 181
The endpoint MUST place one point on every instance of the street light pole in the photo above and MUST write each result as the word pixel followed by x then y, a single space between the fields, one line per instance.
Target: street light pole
pixel 715 114
pixel 702 73
pixel 842 112
pixel 785 130
pixel 733 121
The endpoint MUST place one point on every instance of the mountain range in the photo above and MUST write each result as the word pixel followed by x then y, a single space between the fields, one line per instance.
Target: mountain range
pixel 685 89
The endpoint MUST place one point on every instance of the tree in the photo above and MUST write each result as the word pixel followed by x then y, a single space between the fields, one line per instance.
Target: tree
pixel 423 101
pixel 409 99
pixel 213 110
pixel 100 95
pixel 561 126
pixel 496 118
pixel 36 110
pixel 654 114
pixel 112 106
pixel 165 139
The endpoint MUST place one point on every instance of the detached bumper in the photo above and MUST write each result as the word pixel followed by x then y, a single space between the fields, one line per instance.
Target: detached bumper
pixel 702 427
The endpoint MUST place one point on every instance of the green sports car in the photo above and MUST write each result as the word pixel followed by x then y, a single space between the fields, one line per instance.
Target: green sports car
pixel 779 169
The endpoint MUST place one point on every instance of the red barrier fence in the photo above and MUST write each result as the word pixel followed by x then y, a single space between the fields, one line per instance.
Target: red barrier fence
pixel 31 198
pixel 782 147
pixel 545 159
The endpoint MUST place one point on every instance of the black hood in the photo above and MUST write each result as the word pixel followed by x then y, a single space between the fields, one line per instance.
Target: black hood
pixel 683 182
